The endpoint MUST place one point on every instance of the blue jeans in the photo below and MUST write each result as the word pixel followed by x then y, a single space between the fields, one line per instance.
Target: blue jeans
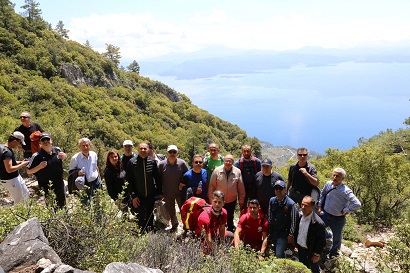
pixel 336 224
pixel 280 247
pixel 92 187
pixel 304 258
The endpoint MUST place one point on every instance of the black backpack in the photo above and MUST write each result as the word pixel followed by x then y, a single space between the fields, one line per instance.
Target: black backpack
pixel 3 149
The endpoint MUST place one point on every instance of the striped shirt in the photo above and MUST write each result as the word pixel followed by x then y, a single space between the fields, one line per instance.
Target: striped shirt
pixel 339 200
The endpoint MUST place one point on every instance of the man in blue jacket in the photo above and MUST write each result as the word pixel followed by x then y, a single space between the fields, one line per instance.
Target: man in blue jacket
pixel 283 215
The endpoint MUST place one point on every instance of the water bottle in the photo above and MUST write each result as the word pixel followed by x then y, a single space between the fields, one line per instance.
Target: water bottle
pixel 200 186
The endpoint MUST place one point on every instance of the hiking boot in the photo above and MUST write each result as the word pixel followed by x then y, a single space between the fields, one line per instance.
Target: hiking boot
pixel 174 228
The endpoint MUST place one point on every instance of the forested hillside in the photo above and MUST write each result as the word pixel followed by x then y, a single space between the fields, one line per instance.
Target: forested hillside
pixel 74 91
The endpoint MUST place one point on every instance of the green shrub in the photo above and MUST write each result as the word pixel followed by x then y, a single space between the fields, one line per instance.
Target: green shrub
pixel 89 237
pixel 396 258
pixel 343 265
pixel 284 266
pixel 354 232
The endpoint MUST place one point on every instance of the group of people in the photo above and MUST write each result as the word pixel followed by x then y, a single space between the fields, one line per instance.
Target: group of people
pixel 269 207
pixel 46 162
pixel 282 215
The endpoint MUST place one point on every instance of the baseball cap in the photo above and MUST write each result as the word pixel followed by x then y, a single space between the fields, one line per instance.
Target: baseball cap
pixel 266 161
pixel 280 183
pixel 20 136
pixel 172 147
pixel 45 135
pixel 127 142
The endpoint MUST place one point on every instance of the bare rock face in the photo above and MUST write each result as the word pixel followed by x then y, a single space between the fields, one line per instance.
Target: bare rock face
pixel 129 268
pixel 73 74
pixel 25 245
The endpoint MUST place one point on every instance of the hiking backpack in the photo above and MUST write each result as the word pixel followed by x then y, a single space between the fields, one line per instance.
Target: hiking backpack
pixel 241 167
pixel 2 151
pixel 190 211
pixel 35 141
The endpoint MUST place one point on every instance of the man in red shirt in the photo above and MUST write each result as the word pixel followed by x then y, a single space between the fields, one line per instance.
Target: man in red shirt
pixel 252 228
pixel 212 222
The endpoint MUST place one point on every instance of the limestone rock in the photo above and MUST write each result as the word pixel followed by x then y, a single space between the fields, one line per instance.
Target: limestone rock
pixel 129 268
pixel 346 251
pixel 42 264
pixel 25 245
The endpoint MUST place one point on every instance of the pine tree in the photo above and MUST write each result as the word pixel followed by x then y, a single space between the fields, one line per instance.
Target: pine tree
pixel 134 67
pixel 112 53
pixel 32 10
pixel 61 30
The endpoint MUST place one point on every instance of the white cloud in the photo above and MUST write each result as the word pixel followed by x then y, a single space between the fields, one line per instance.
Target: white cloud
pixel 216 16
pixel 144 35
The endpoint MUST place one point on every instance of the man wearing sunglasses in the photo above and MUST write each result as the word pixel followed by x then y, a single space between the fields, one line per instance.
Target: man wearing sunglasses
pixel 9 174
pixel 171 171
pixel 47 165
pixel 27 128
pixel 265 182
pixel 194 180
pixel 302 178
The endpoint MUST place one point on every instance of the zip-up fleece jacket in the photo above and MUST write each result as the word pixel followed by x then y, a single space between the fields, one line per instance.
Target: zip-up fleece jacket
pixel 231 186
pixel 143 177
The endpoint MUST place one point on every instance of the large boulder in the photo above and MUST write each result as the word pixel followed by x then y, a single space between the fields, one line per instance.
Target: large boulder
pixel 129 268
pixel 25 245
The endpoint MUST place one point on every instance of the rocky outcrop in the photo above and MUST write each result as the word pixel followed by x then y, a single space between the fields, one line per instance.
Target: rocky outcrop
pixel 26 249
pixel 25 245
pixel 74 76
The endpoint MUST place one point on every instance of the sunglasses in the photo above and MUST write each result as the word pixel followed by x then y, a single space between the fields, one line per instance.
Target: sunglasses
pixel 278 189
pixel 198 162
pixel 23 117
pixel 172 152
pixel 45 139
pixel 302 154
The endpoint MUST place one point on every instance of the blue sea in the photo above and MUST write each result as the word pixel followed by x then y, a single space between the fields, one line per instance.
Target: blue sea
pixel 315 107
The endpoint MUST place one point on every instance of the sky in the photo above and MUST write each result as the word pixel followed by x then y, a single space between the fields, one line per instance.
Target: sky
pixel 145 29
pixel 317 107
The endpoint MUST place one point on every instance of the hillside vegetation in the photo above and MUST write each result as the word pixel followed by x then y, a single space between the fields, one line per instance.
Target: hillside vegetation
pixel 74 91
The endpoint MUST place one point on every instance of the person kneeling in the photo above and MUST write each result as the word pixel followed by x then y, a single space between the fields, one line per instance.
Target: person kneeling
pixel 252 228
pixel 211 223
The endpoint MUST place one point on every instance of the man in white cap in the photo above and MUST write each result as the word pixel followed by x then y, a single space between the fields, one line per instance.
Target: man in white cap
pixel 128 153
pixel 9 175
pixel 171 171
